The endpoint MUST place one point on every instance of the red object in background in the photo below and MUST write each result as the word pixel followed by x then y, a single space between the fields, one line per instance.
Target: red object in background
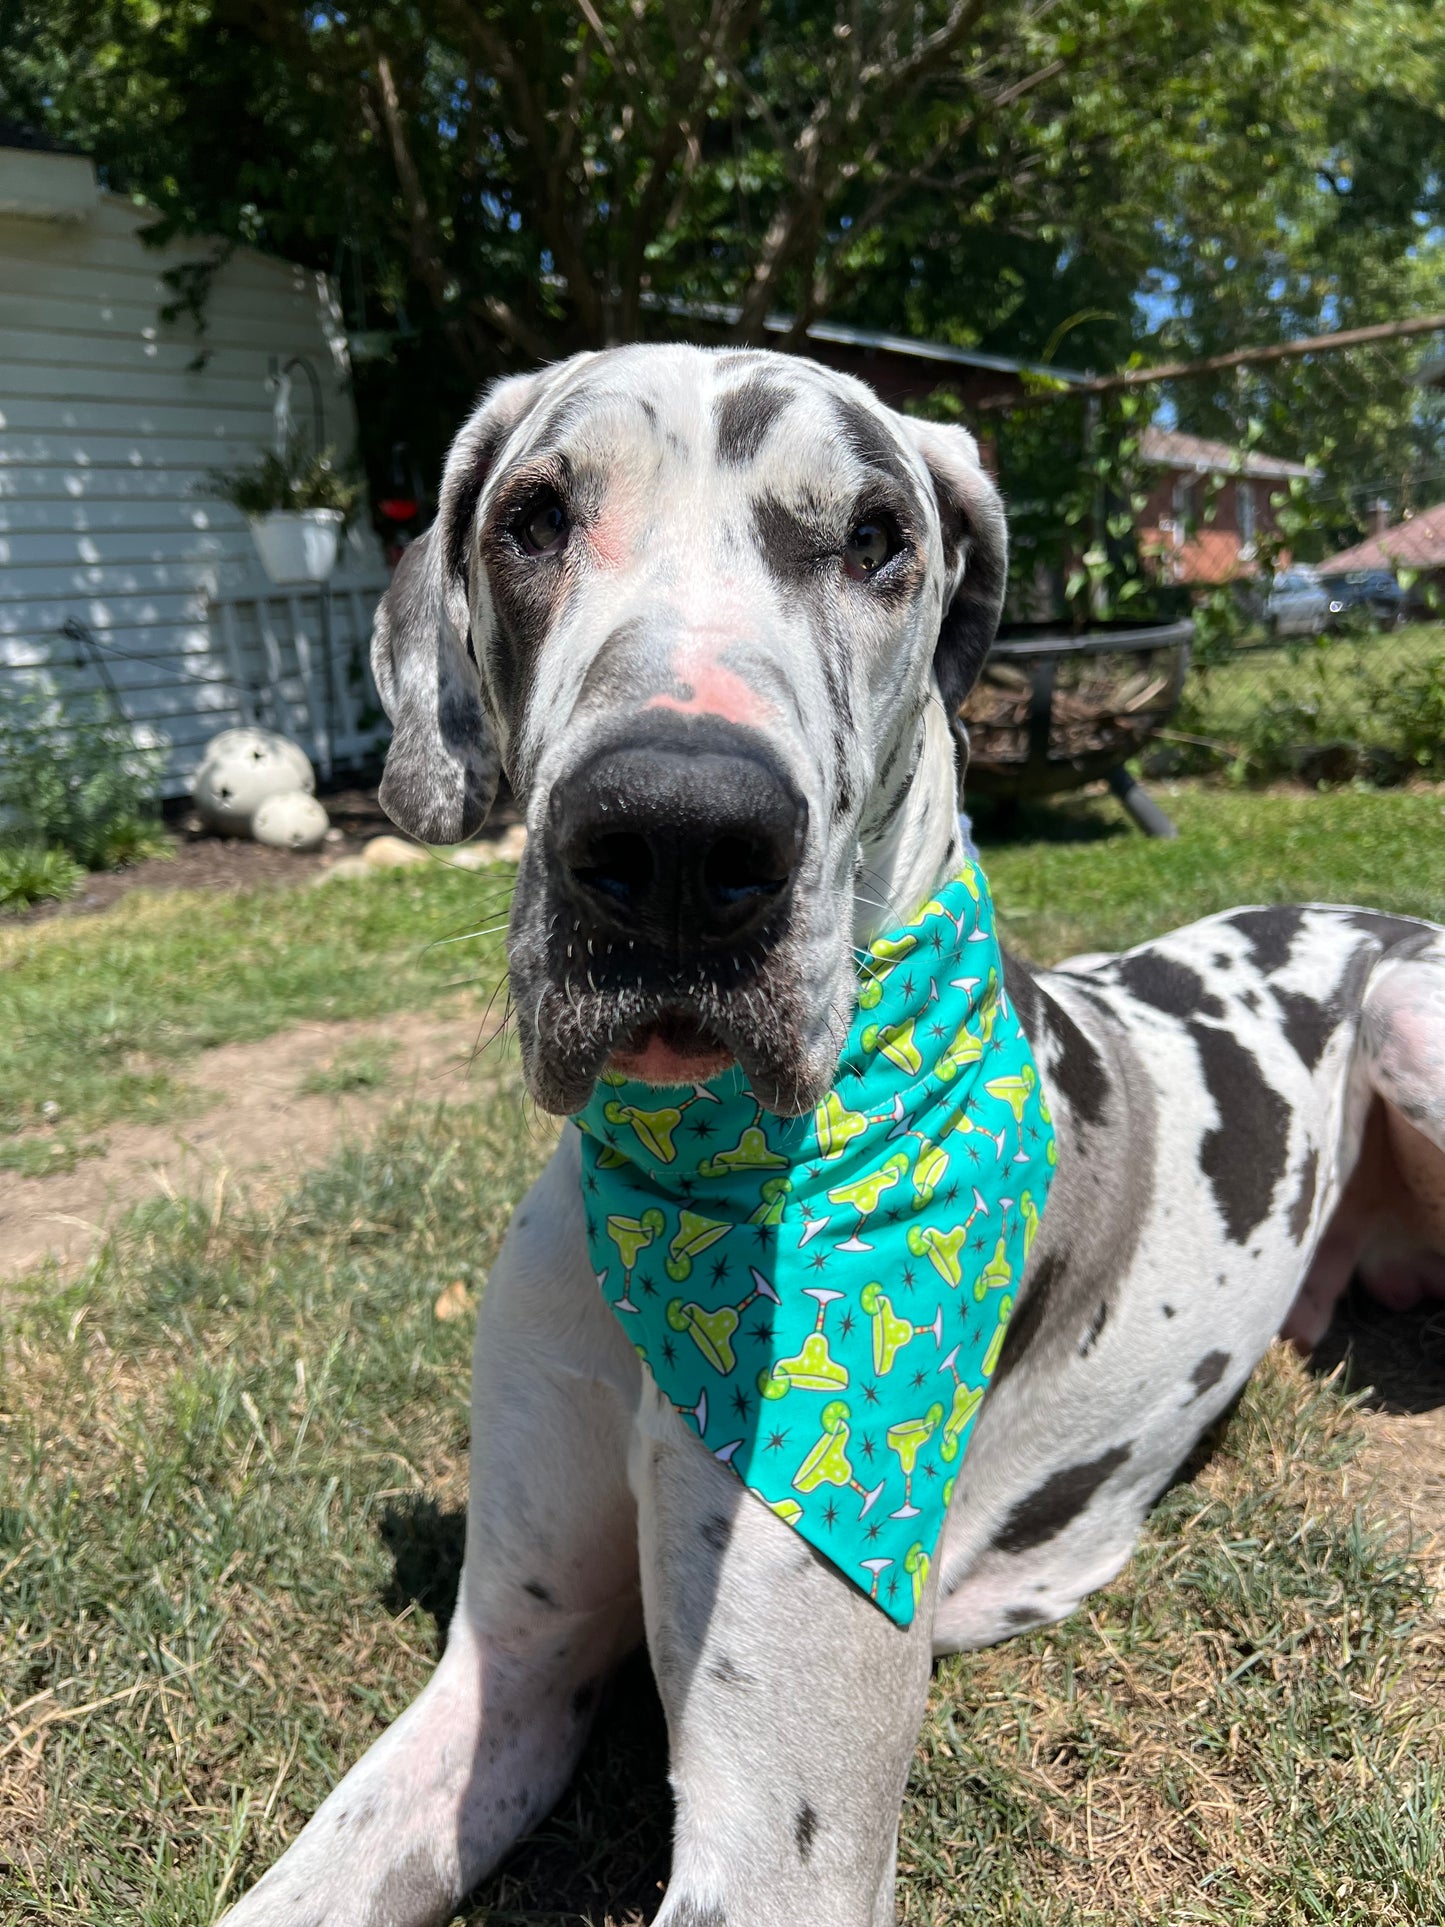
pixel 398 508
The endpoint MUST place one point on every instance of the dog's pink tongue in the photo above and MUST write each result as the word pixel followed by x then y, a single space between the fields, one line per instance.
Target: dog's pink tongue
pixel 653 1059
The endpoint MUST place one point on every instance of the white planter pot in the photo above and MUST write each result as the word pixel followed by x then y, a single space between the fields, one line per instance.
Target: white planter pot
pixel 297 545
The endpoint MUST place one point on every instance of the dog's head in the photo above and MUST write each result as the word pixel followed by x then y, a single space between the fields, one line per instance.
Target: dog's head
pixel 712 611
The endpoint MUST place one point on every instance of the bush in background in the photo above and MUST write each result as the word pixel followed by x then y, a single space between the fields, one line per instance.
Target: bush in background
pixel 1333 709
pixel 76 794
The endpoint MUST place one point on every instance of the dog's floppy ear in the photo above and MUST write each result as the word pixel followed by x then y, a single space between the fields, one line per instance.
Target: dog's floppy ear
pixel 442 765
pixel 975 555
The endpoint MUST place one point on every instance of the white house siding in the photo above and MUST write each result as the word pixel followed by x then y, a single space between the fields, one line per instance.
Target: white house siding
pixel 106 436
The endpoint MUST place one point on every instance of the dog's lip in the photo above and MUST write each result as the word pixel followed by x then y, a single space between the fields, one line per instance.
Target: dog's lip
pixel 675 1047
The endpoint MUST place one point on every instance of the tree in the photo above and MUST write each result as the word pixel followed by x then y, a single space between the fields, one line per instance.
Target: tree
pixel 507 181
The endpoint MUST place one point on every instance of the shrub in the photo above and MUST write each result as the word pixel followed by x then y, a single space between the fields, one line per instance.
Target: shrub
pixel 29 873
pixel 75 783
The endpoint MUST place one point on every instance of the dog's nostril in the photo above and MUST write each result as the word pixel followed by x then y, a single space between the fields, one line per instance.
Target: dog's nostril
pixel 619 866
pixel 737 867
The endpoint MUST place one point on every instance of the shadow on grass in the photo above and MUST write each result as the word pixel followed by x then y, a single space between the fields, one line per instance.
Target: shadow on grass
pixel 426 1546
pixel 1397 1357
pixel 602 1855
pixel 1065 819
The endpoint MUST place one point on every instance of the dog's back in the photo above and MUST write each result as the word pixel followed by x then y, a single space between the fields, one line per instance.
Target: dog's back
pixel 1250 1109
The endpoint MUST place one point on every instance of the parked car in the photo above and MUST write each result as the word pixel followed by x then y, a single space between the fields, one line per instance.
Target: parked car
pixel 1372 593
pixel 1297 604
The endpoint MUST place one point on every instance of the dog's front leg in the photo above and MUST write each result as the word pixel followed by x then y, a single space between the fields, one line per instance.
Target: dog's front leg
pixel 792 1703
pixel 548 1603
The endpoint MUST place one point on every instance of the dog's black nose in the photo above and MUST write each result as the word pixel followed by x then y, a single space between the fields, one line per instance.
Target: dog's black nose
pixel 687 845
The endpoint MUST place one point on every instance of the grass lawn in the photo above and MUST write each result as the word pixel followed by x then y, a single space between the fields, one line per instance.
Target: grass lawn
pixel 100 1012
pixel 232 1466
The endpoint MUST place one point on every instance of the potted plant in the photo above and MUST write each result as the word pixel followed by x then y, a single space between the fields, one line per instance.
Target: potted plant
pixel 297 503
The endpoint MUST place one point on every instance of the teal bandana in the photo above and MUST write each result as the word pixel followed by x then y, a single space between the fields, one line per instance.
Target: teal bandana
pixel 825 1297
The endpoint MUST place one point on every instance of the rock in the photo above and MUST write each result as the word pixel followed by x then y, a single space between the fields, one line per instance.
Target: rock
pixel 293 821
pixel 240 769
pixel 452 1303
pixel 481 855
pixel 346 869
pixel 392 853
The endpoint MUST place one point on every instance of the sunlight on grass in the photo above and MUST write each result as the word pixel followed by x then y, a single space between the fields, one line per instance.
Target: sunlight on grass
pixel 233 1459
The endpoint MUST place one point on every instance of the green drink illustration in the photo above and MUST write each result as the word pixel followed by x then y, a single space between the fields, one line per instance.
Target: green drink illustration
pixel 828 1462
pixel 966 1401
pixel 908 1439
pixel 632 1236
pixel 713 1331
pixel 890 1332
pixel 812 1368
pixel 1015 1091
pixel 865 1195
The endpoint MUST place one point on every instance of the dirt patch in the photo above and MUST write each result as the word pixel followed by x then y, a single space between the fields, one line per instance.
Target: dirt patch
pixel 256 1123
pixel 200 861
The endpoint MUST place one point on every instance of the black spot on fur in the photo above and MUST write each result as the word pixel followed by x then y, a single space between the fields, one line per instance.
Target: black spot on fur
pixel 1095 1327
pixel 805 1831
pixel 1208 1372
pixel 1041 1280
pixel 536 1590
pixel 1025 996
pixel 727 1673
pixel 461 509
pixel 1244 1155
pixel 873 443
pixel 1304 1200
pixel 1389 930
pixel 1308 1024
pixel 1269 933
pixel 696 1913
pixel 1077 1071
pixel 585 1698
pixel 1167 985
pixel 792 540
pixel 716 1532
pixel 1057 1502
pixel 1168 1310
pixel 1019 1617
pixel 744 415
pixel 1250 999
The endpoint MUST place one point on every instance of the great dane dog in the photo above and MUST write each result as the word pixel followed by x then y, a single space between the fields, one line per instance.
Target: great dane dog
pixel 714 612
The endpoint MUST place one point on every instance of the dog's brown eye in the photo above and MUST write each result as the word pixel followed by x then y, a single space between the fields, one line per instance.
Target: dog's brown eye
pixel 542 525
pixel 871 543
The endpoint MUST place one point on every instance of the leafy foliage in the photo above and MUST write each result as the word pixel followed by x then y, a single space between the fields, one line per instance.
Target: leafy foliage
pixel 31 873
pixel 495 185
pixel 294 479
pixel 74 783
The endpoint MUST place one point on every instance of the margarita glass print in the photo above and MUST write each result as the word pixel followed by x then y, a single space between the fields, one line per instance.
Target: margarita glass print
pixel 944 1248
pixel 877 1567
pixel 828 1462
pixel 865 1195
pixel 713 1331
pixel 1015 1090
pixel 966 1401
pixel 632 1236
pixel 653 1126
pixel 908 1439
pixel 812 1368
pixel 890 1332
